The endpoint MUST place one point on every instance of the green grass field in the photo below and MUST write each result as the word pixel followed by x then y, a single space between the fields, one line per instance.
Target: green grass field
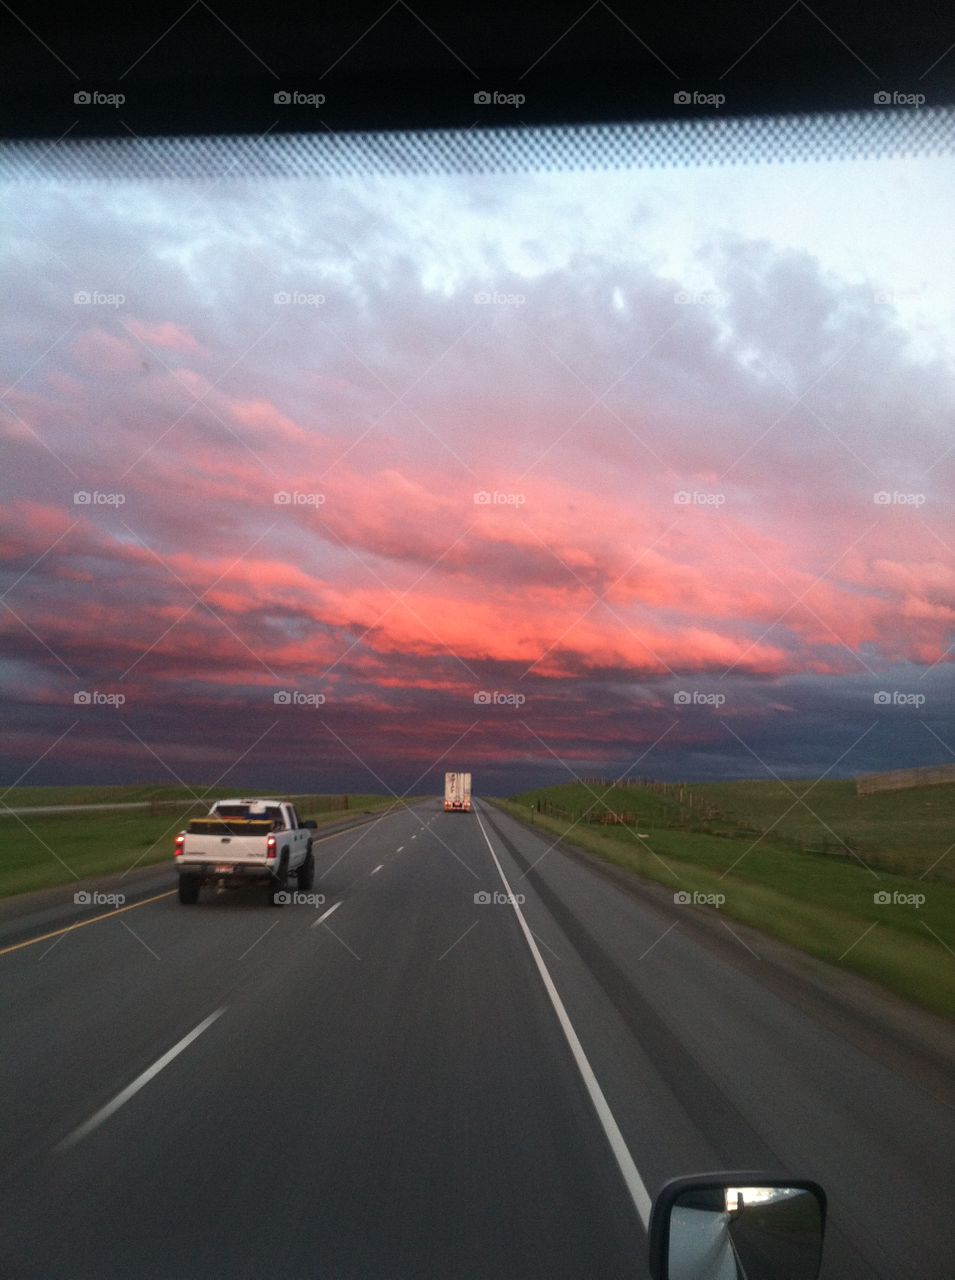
pixel 910 832
pixel 821 902
pixel 43 850
pixel 906 832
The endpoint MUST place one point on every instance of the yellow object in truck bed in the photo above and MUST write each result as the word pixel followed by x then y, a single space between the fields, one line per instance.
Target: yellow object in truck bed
pixel 230 826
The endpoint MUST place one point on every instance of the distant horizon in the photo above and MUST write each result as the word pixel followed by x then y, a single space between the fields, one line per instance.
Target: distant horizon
pixel 252 787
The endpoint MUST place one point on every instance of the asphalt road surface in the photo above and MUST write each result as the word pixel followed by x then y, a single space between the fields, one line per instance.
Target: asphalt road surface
pixel 403 1081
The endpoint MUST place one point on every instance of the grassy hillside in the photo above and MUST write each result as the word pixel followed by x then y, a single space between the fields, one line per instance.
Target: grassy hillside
pixel 906 832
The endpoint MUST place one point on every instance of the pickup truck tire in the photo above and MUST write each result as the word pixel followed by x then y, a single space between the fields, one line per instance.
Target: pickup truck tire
pixel 189 889
pixel 279 882
pixel 306 872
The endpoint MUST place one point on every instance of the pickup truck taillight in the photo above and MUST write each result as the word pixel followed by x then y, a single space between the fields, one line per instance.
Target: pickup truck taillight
pixel 270 849
pixel 180 841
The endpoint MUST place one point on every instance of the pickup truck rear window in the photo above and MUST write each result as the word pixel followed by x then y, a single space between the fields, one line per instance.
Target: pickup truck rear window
pixel 234 812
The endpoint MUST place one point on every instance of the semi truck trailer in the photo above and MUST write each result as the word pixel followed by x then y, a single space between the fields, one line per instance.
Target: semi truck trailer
pixel 457 793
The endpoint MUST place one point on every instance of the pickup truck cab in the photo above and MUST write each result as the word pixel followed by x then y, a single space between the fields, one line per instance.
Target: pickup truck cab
pixel 246 839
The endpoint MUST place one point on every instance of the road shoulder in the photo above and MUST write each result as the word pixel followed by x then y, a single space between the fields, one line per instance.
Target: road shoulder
pixel 909 1040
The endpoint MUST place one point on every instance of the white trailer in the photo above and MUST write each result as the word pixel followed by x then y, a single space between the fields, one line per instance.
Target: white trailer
pixel 457 793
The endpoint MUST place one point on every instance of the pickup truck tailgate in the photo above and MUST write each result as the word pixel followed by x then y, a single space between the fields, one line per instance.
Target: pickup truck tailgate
pixel 228 840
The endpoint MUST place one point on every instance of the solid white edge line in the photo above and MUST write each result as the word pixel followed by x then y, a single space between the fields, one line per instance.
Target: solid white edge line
pixel 625 1162
pixel 124 1095
pixel 325 915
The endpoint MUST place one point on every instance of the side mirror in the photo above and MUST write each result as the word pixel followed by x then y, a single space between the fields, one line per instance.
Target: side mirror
pixel 737 1226
pixel 311 824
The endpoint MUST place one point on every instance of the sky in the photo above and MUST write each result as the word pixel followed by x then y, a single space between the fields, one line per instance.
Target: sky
pixel 334 484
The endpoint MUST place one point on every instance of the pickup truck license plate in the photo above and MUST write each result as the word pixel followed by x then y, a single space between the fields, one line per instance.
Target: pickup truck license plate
pixel 224 868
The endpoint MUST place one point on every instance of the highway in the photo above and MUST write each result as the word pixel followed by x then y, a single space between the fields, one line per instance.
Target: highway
pixel 403 1082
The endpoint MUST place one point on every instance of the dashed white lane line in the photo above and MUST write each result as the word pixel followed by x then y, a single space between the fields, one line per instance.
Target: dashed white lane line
pixel 124 1095
pixel 325 915
pixel 400 847
pixel 625 1162
pixel 378 868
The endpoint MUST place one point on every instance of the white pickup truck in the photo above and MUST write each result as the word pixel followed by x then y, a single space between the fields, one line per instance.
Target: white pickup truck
pixel 246 840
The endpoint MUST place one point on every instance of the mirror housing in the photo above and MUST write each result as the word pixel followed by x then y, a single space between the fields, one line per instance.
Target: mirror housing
pixel 724 1226
pixel 310 823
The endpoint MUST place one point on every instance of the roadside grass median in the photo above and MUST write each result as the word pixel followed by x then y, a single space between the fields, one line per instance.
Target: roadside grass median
pixel 895 930
pixel 328 809
pixel 41 851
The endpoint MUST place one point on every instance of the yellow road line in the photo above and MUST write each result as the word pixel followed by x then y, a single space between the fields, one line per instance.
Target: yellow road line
pixel 107 915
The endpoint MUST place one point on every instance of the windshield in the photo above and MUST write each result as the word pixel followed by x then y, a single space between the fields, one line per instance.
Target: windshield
pixel 561 518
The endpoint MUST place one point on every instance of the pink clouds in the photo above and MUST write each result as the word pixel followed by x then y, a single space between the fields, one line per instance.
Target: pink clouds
pixel 437 577
pixel 385 579
pixel 165 334
pixel 267 421
pixel 26 526
pixel 553 639
pixel 101 353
